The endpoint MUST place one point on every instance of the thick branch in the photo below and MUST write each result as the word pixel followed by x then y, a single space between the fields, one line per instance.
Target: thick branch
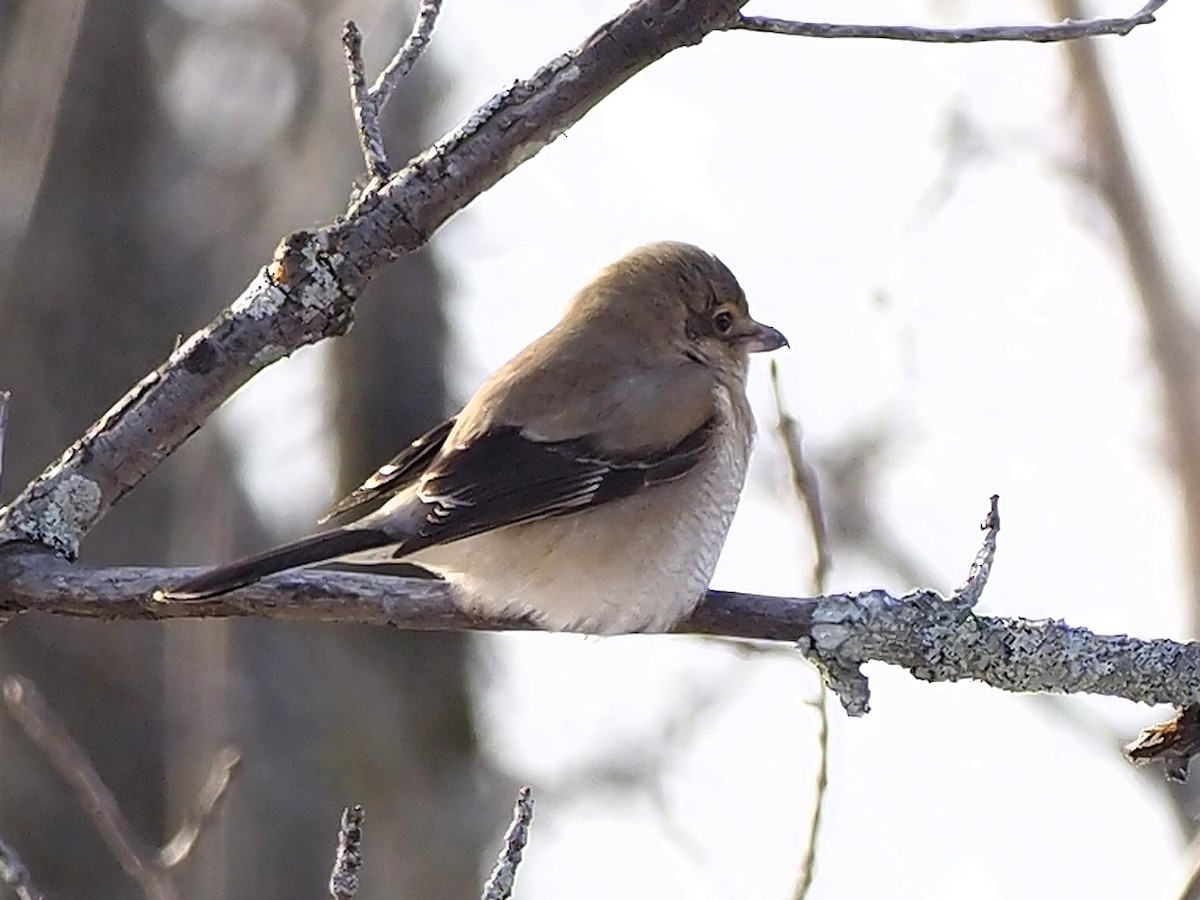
pixel 308 292
pixel 923 632
pixel 1071 28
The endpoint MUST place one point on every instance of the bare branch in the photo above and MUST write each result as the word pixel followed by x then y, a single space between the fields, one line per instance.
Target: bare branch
pixel 408 54
pixel 27 707
pixel 1067 30
pixel 921 631
pixel 14 874
pixel 808 861
pixel 366 103
pixel 807 488
pixel 366 112
pixel 204 807
pixel 499 885
pixel 344 880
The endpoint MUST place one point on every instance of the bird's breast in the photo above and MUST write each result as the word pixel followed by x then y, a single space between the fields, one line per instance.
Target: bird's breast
pixel 635 564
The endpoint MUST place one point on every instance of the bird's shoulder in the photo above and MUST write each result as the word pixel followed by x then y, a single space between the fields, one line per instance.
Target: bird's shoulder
pixel 620 398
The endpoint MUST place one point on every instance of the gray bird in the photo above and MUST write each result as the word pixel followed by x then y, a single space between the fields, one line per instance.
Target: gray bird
pixel 590 482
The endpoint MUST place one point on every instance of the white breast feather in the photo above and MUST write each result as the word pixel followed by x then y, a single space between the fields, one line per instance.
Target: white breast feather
pixel 616 568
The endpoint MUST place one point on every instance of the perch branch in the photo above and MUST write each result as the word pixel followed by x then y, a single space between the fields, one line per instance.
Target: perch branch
pixel 935 639
pixel 1067 30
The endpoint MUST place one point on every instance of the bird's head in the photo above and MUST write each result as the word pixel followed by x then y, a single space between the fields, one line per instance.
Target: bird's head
pixel 676 299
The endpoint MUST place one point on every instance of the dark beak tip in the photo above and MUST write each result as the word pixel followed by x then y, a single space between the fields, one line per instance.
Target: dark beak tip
pixel 768 339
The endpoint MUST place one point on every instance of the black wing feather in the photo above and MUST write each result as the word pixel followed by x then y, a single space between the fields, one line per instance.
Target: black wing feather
pixel 504 478
pixel 398 473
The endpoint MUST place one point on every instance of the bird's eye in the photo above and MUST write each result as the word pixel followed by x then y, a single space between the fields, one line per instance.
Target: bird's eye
pixel 723 321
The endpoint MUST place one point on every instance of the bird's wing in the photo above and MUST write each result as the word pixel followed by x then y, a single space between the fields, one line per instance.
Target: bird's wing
pixel 398 473
pixel 504 477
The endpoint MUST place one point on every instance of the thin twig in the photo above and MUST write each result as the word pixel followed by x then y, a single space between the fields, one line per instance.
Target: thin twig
pixel 14 874
pixel 804 481
pixel 6 615
pixel 204 807
pixel 5 396
pixel 367 103
pixel 969 593
pixel 807 488
pixel 344 879
pixel 499 885
pixel 1068 30
pixel 855 468
pixel 408 54
pixel 366 120
pixel 28 708
pixel 808 861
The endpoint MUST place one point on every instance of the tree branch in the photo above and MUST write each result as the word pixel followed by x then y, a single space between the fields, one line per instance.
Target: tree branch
pixel 368 103
pixel 205 806
pixel 1067 30
pixel 807 489
pixel 70 760
pixel 934 637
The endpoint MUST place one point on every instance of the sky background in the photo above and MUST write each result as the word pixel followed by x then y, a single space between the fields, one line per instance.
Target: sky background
pixel 900 212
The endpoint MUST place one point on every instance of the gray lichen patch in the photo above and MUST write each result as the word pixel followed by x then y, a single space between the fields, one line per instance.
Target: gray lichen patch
pixel 60 517
pixel 262 298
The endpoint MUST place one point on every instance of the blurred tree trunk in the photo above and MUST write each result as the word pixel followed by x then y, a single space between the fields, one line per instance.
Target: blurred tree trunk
pixel 136 235
pixel 90 299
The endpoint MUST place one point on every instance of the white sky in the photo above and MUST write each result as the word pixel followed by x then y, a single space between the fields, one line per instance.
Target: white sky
pixel 1008 351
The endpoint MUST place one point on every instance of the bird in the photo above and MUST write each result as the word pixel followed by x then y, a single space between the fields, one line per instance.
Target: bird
pixel 589 484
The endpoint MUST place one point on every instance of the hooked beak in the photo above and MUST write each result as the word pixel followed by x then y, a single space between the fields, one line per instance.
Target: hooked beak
pixel 760 338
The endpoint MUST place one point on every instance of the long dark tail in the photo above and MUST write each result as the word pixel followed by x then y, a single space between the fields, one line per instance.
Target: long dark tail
pixel 323 547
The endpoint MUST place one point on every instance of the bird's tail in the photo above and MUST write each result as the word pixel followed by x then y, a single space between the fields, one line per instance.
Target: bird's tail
pixel 323 547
